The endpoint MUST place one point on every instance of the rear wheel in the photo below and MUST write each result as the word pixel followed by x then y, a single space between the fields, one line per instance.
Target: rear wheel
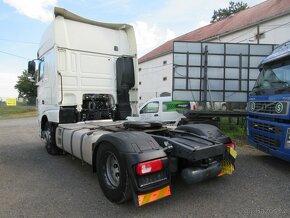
pixel 112 174
pixel 48 135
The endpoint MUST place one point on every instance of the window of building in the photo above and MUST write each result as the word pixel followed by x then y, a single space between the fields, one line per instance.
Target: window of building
pixel 139 82
pixel 164 62
pixel 165 78
pixel 164 94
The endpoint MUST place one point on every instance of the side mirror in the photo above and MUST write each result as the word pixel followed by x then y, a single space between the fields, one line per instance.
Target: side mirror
pixel 31 71
pixel 31 79
pixel 31 68
pixel 142 111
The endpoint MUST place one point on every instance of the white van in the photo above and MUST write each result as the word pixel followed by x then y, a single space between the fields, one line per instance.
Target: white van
pixel 165 110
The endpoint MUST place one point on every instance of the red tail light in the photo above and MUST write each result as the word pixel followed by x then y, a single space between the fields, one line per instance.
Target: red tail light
pixel 149 167
pixel 231 145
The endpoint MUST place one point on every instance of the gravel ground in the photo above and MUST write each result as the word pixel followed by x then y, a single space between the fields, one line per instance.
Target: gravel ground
pixel 35 184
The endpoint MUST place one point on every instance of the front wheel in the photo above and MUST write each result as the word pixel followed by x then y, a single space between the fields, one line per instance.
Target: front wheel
pixel 48 135
pixel 112 174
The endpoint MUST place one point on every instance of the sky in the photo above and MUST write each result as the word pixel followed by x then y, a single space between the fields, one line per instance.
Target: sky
pixel 22 23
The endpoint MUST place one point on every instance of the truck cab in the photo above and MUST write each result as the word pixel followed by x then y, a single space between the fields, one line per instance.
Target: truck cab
pixel 80 74
pixel 268 127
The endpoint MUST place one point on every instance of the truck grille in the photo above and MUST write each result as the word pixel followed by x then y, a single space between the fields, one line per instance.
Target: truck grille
pixel 265 107
pixel 266 127
pixel 269 107
pixel 275 143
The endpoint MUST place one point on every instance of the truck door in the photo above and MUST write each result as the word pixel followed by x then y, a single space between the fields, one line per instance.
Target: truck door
pixel 43 88
pixel 150 111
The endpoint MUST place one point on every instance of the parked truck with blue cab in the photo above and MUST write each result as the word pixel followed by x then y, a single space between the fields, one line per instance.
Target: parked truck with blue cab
pixel 87 85
pixel 268 116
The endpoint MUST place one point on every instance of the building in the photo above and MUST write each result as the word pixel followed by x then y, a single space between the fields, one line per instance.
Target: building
pixel 265 23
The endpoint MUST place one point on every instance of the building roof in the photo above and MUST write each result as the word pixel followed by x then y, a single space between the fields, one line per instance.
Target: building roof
pixel 249 17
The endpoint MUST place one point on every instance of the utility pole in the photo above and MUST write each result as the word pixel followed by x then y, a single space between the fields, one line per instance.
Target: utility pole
pixel 205 78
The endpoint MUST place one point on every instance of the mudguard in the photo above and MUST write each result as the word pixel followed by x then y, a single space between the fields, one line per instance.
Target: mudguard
pixel 207 130
pixel 136 147
pixel 213 133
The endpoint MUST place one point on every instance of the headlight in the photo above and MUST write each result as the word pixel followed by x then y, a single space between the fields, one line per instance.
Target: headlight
pixel 287 140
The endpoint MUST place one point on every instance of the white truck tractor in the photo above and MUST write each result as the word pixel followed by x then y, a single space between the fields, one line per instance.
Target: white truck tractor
pixel 87 85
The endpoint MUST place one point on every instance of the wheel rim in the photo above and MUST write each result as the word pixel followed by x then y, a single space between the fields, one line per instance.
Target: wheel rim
pixel 112 169
pixel 47 136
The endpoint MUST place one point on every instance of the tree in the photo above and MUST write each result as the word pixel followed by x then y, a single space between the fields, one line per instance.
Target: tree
pixel 26 88
pixel 233 8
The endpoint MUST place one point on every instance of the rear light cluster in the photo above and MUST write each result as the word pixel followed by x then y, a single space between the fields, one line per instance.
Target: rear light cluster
pixel 194 107
pixel 231 145
pixel 151 172
pixel 149 167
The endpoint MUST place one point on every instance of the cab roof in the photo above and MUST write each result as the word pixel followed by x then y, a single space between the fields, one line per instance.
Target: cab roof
pixel 71 16
pixel 280 52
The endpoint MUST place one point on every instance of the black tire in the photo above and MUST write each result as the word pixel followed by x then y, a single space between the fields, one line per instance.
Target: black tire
pixel 112 174
pixel 48 134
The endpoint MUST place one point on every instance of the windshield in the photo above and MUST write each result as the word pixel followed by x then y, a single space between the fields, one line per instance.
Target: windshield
pixel 273 79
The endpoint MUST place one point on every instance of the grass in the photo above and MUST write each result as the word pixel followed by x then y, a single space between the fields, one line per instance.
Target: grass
pixel 13 112
pixel 234 128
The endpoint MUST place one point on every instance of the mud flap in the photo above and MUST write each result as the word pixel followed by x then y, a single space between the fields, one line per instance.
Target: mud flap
pixel 228 164
pixel 142 199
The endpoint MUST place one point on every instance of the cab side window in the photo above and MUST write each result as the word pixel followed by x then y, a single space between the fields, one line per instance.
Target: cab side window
pixel 169 106
pixel 151 107
pixel 165 107
pixel 41 70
